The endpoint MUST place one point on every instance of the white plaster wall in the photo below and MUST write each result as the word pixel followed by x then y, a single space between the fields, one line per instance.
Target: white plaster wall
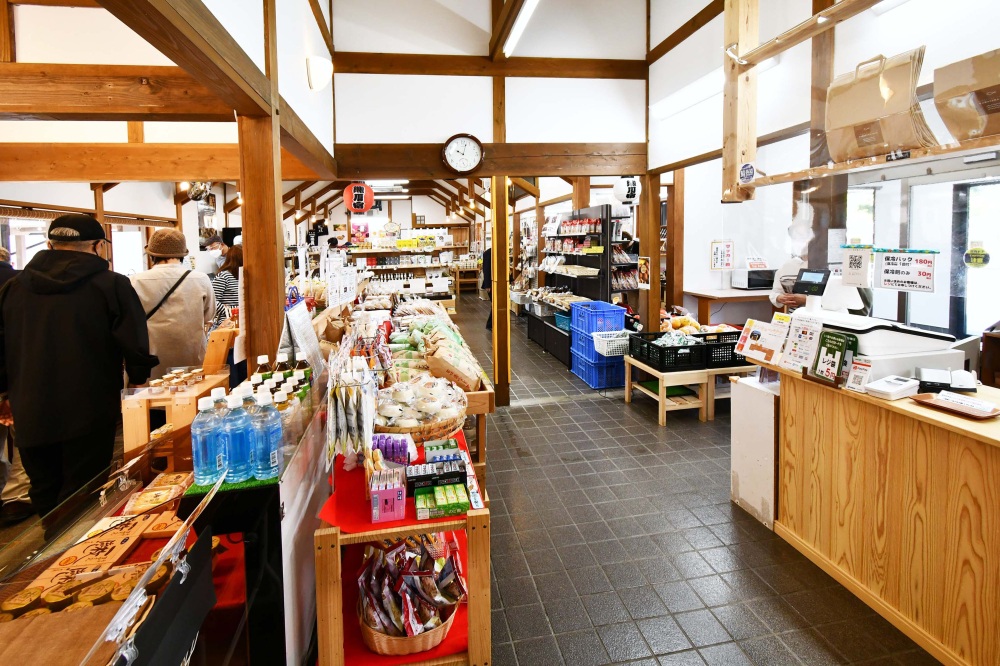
pixel 586 29
pixel 74 195
pixel 298 38
pixel 79 35
pixel 141 198
pixel 432 210
pixel 62 131
pixel 550 188
pixel 164 132
pixel 373 108
pixel 575 110
pixel 244 20
pixel 443 27
pixel 666 16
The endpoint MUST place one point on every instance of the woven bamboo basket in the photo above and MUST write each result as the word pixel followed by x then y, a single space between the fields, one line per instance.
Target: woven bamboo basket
pixel 395 646
pixel 441 429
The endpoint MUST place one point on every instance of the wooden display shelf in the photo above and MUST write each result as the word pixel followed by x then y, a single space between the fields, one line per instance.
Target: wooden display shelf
pixel 464 281
pixel 405 267
pixel 337 558
pixel 440 248
pixel 702 381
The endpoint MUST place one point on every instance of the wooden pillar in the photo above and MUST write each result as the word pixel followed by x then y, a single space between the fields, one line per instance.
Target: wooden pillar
pixel 581 192
pixel 739 110
pixel 675 240
pixel 263 239
pixel 648 233
pixel 98 189
pixel 501 281
pixel 7 46
pixel 826 196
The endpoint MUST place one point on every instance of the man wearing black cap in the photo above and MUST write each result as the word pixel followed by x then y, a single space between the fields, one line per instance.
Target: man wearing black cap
pixel 67 326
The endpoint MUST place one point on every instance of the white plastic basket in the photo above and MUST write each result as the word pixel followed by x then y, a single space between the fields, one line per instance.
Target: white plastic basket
pixel 611 343
pixel 520 297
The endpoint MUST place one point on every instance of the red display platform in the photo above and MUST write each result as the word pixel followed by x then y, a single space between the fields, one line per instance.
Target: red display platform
pixel 356 652
pixel 348 506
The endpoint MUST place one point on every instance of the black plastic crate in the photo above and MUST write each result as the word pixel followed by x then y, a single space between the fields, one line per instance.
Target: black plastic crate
pixel 721 349
pixel 665 359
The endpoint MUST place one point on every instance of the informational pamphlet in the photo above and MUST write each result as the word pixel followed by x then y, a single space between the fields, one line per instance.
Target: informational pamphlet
pixel 762 341
pixel 857 378
pixel 802 343
pixel 966 401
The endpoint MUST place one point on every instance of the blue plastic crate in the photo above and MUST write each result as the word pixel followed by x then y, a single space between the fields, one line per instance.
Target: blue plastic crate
pixel 598 317
pixel 562 321
pixel 582 344
pixel 599 375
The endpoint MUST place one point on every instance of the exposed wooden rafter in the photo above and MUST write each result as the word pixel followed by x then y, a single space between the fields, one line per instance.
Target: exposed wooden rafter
pixel 417 161
pixel 452 65
pixel 503 25
pixel 114 162
pixel 526 186
pixel 58 3
pixel 7 46
pixel 105 92
pixel 298 140
pixel 297 190
pixel 693 25
pixel 321 22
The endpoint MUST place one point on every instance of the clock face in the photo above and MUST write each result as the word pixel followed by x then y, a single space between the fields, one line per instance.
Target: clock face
pixel 463 153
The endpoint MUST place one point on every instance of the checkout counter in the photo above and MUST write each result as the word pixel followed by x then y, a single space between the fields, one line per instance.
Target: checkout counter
pixel 897 501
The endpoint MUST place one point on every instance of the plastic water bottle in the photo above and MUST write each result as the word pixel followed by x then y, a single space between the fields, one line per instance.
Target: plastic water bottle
pixel 208 449
pixel 236 427
pixel 267 439
pixel 219 401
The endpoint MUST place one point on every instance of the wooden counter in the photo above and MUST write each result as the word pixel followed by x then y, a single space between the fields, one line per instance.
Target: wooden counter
pixel 901 504
pixel 708 297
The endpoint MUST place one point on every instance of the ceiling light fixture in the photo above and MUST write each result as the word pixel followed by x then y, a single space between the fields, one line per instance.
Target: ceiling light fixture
pixel 319 72
pixel 519 25
pixel 386 183
pixel 239 198
pixel 391 197
pixel 184 186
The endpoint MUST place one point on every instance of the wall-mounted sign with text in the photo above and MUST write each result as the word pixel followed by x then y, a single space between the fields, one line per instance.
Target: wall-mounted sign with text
pixel 722 255
pixel 905 270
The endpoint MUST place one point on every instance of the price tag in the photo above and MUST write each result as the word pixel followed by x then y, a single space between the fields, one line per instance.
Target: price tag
pixel 856 267
pixel 905 271
pixel 756 263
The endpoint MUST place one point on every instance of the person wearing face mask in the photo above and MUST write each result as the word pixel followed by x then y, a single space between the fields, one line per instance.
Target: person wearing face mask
pixel 68 327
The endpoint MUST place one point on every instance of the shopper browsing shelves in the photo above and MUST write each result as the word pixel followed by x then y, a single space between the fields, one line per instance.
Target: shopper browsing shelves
pixel 68 324
pixel 179 303
pixel 226 284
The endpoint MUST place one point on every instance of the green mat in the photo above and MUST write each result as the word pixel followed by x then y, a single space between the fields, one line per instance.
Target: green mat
pixel 672 391
pixel 242 485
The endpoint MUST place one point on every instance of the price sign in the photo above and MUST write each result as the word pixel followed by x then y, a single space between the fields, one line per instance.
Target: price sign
pixel 755 262
pixel 905 271
pixel 857 262
pixel 722 255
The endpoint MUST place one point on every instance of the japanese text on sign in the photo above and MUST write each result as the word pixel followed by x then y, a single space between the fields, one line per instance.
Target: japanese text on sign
pixel 905 271
pixel 722 255
pixel 856 267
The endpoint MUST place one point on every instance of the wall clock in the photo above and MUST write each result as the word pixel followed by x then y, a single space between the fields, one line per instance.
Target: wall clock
pixel 462 153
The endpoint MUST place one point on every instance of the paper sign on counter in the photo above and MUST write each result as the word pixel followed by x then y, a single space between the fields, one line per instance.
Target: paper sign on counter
pixel 722 255
pixel 905 271
pixel 857 267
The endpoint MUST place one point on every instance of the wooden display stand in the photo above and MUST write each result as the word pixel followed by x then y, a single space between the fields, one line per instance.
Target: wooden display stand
pixel 702 380
pixel 463 279
pixel 481 403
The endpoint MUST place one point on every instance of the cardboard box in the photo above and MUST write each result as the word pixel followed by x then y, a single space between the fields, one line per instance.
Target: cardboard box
pixel 967 95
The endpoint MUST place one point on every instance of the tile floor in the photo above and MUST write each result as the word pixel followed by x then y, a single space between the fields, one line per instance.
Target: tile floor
pixel 614 541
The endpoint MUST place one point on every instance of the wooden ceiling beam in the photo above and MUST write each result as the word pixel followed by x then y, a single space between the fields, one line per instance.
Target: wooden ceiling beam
pixel 297 139
pixel 465 190
pixel 298 190
pixel 187 33
pixel 232 205
pixel 423 161
pixel 348 62
pixel 693 25
pixel 526 186
pixel 105 92
pixel 115 162
pixel 58 3
pixel 311 201
pixel 503 26
pixel 8 48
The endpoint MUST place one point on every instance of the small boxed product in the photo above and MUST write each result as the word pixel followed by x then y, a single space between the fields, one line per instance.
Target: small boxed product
pixel 388 496
pixel 441 501
pixel 434 474
pixel 441 449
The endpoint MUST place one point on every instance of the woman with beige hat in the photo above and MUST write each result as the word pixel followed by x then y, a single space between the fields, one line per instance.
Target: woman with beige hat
pixel 179 303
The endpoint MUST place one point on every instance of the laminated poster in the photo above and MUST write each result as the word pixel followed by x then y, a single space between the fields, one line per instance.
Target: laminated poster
pixel 762 341
pixel 722 255
pixel 803 341
pixel 644 274
pixel 857 378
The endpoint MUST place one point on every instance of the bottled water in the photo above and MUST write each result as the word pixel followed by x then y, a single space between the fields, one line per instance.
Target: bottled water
pixel 266 438
pixel 236 426
pixel 208 449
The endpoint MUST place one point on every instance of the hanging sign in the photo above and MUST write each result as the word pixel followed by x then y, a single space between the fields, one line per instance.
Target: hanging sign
pixel 627 190
pixel 359 197
pixel 905 270
pixel 722 255
pixel 857 265
pixel 976 256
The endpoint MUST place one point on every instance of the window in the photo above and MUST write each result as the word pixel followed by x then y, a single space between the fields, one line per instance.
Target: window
pixel 982 307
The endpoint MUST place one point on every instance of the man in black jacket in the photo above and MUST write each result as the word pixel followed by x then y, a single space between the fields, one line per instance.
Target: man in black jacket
pixel 67 324
pixel 488 283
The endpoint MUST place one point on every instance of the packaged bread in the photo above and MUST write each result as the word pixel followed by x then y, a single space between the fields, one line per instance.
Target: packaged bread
pixel 22 602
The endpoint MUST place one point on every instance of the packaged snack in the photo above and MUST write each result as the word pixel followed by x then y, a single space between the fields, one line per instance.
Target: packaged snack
pixel 411 623
pixel 391 605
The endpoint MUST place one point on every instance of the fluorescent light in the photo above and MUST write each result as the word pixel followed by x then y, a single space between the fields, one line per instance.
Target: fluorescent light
pixel 319 72
pixel 887 6
pixel 386 183
pixel 404 190
pixel 699 91
pixel 519 25
pixel 392 197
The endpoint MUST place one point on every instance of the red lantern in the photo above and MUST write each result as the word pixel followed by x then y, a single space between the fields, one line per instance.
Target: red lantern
pixel 359 198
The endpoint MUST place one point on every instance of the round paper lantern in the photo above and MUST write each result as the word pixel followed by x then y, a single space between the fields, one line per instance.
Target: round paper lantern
pixel 359 197
pixel 627 190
